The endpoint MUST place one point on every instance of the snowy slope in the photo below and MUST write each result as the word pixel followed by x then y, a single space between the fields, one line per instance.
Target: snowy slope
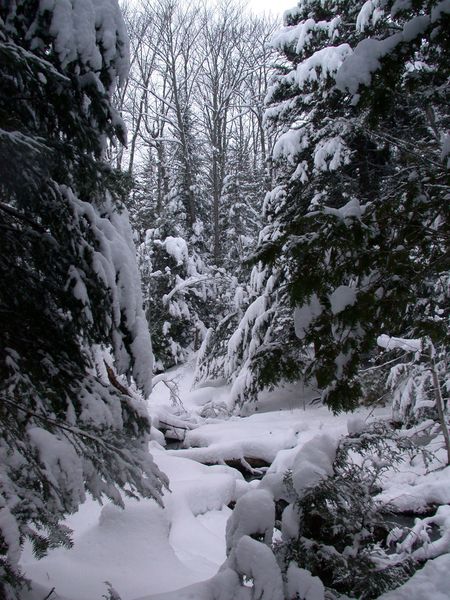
pixel 174 553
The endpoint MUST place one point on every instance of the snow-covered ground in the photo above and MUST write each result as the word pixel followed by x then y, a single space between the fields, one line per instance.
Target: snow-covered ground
pixel 148 552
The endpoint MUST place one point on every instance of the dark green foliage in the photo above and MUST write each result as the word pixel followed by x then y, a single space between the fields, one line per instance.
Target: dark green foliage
pixel 174 316
pixel 49 143
pixel 64 430
pixel 254 346
pixel 341 528
pixel 240 220
pixel 363 207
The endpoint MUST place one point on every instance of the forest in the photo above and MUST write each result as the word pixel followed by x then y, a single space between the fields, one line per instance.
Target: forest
pixel 224 300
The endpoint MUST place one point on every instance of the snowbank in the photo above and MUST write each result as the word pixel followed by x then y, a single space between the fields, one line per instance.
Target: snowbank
pixel 145 548
pixel 411 492
pixel 179 552
pixel 430 583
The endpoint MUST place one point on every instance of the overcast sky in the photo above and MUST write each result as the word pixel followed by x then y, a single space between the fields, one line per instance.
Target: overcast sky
pixel 276 7
pixel 273 6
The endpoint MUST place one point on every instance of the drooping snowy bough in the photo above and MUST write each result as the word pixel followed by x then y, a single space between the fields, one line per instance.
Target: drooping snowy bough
pixel 69 278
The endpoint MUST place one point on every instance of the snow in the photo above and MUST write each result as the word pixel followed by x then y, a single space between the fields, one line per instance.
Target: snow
pixel 223 586
pixel 123 547
pixel 309 461
pixel 304 315
pixel 177 248
pixel 408 345
pixel 360 64
pixel 61 463
pixel 351 210
pixel 369 14
pixel 300 35
pixel 301 172
pixel 418 536
pixel 301 582
pixel 79 290
pixel 90 31
pixel 330 154
pixel 115 265
pixel 407 491
pixel 10 534
pixel 430 582
pixel 177 251
pixel 253 312
pixel 144 547
pixel 313 462
pixel 322 64
pixel 442 8
pixel 245 520
pixel 445 152
pixel 355 424
pixel 256 561
pixel 400 5
pixel 289 144
pixel 196 547
pixel 342 297
pixel 289 522
pixel 415 27
pixel 256 436
pixel 363 62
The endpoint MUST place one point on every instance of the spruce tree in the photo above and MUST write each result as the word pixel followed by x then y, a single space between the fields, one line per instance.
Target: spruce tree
pixel 358 222
pixel 70 285
pixel 179 293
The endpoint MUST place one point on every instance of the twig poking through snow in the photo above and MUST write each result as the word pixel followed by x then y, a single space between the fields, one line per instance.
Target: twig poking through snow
pixel 49 594
pixel 174 391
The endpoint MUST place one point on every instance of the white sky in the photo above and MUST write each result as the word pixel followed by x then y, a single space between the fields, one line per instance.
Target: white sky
pixel 276 7
pixel 273 6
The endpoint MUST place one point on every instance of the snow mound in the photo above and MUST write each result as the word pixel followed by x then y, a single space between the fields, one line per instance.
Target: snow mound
pixel 256 561
pixel 301 584
pixel 313 463
pixel 431 582
pixel 419 493
pixel 259 436
pixel 254 513
pixel 145 547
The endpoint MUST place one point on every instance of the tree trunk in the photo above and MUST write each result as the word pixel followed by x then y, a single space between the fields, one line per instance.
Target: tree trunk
pixel 439 403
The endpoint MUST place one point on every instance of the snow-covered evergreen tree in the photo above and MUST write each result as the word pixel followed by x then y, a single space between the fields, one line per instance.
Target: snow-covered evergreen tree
pixel 332 526
pixel 142 199
pixel 69 278
pixel 357 221
pixel 240 218
pixel 179 293
pixel 254 345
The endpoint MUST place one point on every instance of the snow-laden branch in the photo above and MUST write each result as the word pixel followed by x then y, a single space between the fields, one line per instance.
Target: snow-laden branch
pixel 408 345
pixel 425 353
pixel 191 281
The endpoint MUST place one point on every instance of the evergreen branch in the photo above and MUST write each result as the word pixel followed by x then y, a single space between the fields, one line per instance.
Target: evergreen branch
pixel 404 146
pixel 18 215
pixel 370 369
pixel 63 426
